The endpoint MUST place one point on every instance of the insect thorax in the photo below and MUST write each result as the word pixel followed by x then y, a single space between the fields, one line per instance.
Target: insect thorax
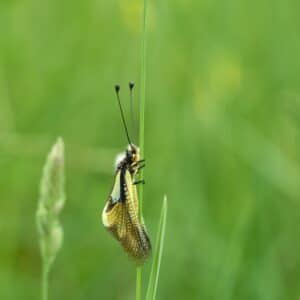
pixel 129 159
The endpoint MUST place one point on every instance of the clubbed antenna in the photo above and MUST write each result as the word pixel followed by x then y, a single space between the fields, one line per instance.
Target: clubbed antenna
pixel 117 89
pixel 131 85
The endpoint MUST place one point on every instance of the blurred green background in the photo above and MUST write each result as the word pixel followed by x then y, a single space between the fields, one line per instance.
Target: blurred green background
pixel 222 141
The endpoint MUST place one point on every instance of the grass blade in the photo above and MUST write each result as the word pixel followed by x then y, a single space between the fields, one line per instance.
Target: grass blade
pixel 142 104
pixel 142 133
pixel 153 280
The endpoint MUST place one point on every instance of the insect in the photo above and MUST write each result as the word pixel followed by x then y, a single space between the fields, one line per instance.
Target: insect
pixel 121 212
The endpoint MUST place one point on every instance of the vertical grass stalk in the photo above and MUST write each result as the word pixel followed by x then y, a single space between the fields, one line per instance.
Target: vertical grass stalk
pixel 157 255
pixel 45 280
pixel 142 102
pixel 50 204
pixel 142 131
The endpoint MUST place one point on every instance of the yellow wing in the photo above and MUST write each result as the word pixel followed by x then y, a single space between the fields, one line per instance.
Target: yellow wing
pixel 121 219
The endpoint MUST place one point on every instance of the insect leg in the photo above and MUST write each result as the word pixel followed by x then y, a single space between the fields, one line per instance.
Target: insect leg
pixel 141 166
pixel 139 181
pixel 136 164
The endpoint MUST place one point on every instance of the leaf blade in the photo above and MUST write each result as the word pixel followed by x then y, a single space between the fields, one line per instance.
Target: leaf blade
pixel 157 256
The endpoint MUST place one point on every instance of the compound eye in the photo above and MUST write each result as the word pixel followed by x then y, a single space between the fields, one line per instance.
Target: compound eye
pixel 128 154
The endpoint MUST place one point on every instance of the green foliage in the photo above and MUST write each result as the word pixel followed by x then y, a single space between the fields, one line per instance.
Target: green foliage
pixel 157 255
pixel 142 105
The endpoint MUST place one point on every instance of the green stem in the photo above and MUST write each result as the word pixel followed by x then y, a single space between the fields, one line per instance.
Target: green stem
pixel 142 134
pixel 138 291
pixel 142 103
pixel 45 280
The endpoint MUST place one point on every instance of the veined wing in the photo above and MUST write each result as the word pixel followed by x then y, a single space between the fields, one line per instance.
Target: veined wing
pixel 120 217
